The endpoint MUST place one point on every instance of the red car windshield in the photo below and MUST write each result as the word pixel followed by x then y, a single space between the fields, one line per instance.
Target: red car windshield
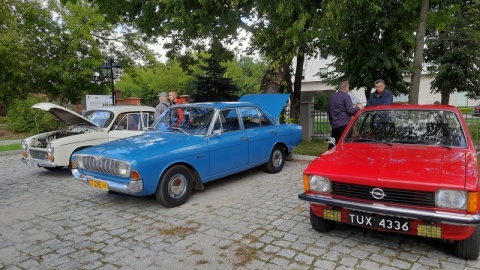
pixel 427 127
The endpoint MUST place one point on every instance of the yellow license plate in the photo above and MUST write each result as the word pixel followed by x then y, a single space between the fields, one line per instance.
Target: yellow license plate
pixel 98 184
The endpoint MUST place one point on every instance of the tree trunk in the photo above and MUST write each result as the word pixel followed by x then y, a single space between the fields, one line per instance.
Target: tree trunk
pixel 368 91
pixel 297 88
pixel 445 93
pixel 418 54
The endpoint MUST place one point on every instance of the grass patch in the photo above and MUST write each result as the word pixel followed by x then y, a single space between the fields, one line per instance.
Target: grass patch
pixel 312 148
pixel 10 147
pixel 180 231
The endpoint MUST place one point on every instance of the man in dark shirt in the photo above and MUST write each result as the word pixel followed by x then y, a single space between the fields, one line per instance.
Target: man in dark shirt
pixel 381 96
pixel 340 111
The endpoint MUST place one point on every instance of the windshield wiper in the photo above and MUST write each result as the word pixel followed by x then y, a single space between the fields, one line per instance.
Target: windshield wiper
pixel 367 140
pixel 181 129
pixel 422 142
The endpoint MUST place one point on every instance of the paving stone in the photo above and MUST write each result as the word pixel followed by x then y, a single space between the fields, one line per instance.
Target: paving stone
pixel 52 221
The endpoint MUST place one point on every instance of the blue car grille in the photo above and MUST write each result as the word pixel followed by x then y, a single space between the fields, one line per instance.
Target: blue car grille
pixel 99 164
pixel 397 196
pixel 38 154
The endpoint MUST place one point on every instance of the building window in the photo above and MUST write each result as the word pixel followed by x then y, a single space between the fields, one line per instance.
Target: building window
pixel 303 74
pixel 323 73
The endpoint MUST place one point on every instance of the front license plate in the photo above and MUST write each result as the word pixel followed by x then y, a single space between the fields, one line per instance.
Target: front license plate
pixel 98 184
pixel 387 223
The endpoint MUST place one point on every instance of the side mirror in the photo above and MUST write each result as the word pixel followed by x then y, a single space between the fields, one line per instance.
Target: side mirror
pixel 330 140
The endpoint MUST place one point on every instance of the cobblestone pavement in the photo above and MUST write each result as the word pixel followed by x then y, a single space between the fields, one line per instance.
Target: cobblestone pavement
pixel 252 220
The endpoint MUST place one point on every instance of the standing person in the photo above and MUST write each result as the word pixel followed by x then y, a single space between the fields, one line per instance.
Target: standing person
pixel 163 104
pixel 173 96
pixel 340 111
pixel 381 96
pixel 355 99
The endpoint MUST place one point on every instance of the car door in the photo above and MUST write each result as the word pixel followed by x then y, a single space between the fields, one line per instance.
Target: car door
pixel 229 145
pixel 260 132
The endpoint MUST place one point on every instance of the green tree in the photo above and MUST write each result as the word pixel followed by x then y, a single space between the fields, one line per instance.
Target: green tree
pixel 246 74
pixel 54 49
pixel 371 42
pixel 147 82
pixel 452 49
pixel 212 85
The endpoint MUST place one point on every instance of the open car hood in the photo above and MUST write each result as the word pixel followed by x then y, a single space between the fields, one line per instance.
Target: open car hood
pixel 65 115
pixel 272 103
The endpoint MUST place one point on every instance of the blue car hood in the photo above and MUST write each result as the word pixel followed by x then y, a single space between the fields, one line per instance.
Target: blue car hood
pixel 272 103
pixel 129 148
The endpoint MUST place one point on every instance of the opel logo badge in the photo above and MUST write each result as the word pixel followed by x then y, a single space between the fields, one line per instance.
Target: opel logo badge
pixel 377 193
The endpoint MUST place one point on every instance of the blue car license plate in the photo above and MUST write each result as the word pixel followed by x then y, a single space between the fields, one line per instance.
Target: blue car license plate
pixel 387 223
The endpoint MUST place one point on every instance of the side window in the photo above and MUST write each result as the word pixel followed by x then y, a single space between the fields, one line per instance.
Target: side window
pixel 121 122
pixel 263 120
pixel 229 120
pixel 147 120
pixel 253 118
pixel 129 122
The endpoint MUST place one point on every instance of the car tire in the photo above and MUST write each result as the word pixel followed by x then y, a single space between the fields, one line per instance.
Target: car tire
pixel 53 168
pixel 468 249
pixel 276 161
pixel 175 186
pixel 320 224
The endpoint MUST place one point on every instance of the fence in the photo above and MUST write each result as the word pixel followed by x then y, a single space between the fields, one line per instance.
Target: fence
pixel 322 128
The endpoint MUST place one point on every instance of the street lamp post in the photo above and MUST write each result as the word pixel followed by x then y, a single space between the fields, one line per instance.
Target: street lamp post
pixel 112 70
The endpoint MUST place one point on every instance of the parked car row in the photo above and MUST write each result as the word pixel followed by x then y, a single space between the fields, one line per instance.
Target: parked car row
pixel 409 169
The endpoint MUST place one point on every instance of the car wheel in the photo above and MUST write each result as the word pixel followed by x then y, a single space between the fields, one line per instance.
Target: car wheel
pixel 276 161
pixel 53 168
pixel 320 224
pixel 468 249
pixel 175 186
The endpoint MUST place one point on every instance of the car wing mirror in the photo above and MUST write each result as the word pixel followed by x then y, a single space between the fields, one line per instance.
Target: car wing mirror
pixel 330 140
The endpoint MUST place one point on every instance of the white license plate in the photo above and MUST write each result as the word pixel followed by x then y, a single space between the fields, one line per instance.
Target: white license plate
pixel 388 223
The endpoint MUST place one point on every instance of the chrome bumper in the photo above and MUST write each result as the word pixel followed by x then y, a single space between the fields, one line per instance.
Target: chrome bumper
pixel 433 216
pixel 131 188
pixel 38 162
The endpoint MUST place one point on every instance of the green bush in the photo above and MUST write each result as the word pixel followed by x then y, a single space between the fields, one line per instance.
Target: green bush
pixel 22 118
pixel 466 110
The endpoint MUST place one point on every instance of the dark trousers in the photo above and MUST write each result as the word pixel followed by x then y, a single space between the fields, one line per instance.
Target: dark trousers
pixel 337 133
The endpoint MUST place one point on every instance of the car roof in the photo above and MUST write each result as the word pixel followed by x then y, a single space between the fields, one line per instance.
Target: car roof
pixel 271 103
pixel 219 105
pixel 405 106
pixel 125 108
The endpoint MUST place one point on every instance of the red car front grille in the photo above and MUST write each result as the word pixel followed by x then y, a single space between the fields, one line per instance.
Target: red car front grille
pixel 397 196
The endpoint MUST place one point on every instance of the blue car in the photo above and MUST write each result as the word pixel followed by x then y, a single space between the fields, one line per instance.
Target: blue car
pixel 189 145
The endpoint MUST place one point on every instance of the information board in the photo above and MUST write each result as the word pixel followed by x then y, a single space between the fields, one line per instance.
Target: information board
pixel 97 101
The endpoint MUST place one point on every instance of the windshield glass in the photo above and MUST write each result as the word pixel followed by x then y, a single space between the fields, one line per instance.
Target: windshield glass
pixel 188 120
pixel 100 118
pixel 428 127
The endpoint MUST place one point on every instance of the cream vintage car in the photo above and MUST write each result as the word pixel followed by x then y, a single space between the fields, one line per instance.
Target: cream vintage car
pixel 52 150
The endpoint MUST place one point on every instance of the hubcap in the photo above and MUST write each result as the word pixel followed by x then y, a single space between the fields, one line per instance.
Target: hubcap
pixel 277 158
pixel 176 185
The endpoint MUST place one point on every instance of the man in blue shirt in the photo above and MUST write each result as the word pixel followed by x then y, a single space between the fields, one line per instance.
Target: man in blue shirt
pixel 381 96
pixel 340 111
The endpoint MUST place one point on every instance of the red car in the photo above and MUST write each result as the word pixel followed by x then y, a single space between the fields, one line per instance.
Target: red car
pixel 408 169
